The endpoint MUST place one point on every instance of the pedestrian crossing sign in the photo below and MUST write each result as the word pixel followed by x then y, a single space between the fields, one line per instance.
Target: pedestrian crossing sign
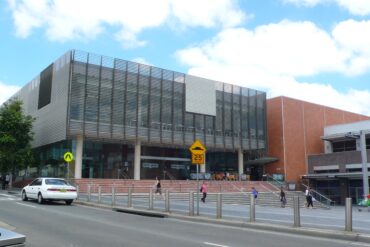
pixel 68 156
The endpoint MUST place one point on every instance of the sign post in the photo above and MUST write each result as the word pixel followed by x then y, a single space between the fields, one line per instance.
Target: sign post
pixel 197 158
pixel 68 157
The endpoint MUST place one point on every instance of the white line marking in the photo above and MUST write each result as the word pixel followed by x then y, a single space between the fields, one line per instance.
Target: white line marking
pixel 219 245
pixel 25 205
pixel 6 195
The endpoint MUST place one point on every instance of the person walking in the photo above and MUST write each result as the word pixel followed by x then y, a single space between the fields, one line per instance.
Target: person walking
pixel 7 180
pixel 306 193
pixel 309 198
pixel 203 189
pixel 3 182
pixel 254 192
pixel 282 198
pixel 158 187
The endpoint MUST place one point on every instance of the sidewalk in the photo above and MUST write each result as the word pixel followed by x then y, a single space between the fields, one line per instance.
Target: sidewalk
pixel 13 191
pixel 332 234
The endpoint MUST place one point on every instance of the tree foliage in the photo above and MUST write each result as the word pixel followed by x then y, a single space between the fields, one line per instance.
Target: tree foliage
pixel 15 137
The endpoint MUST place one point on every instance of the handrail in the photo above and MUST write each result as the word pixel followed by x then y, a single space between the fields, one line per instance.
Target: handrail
pixel 320 197
pixel 123 173
pixel 274 181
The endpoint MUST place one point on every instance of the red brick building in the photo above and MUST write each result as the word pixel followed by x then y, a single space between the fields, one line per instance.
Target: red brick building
pixel 295 129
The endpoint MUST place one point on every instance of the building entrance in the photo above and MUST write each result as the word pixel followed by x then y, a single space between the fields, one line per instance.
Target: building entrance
pixel 255 172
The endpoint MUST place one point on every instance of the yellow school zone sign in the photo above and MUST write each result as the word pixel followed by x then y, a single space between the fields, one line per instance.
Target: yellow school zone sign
pixel 197 153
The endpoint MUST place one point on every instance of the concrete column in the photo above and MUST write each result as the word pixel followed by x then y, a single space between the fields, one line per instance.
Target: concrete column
pixel 78 158
pixel 240 162
pixel 137 160
pixel 365 173
pixel 328 147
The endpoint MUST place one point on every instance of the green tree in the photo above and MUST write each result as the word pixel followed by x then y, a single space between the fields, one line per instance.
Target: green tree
pixel 15 137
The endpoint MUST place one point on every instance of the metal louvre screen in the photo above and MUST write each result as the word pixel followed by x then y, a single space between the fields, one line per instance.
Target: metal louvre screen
pixel 113 99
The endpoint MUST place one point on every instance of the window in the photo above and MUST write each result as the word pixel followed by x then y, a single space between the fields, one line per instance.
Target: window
pixel 36 182
pixel 46 78
pixel 55 182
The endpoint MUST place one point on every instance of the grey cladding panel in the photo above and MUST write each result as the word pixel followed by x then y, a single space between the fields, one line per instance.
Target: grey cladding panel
pixel 200 95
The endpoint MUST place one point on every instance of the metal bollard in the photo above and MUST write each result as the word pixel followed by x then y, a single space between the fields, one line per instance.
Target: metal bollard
pixel 150 199
pixel 167 202
pixel 252 211
pixel 89 192
pixel 129 199
pixel 191 203
pixel 99 194
pixel 348 226
pixel 219 206
pixel 297 216
pixel 113 196
pixel 78 192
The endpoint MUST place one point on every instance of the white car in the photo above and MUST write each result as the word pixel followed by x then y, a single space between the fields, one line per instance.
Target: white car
pixel 51 189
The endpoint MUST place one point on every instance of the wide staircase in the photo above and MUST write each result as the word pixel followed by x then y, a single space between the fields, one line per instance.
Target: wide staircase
pixel 233 192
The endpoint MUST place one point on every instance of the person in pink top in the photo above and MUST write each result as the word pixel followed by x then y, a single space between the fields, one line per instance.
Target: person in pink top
pixel 203 189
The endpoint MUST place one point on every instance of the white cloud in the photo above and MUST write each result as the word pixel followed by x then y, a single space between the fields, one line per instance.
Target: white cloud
pixel 6 91
pixel 85 19
pixel 285 48
pixel 271 57
pixel 355 7
pixel 142 61
pixel 207 13
pixel 305 3
pixel 353 37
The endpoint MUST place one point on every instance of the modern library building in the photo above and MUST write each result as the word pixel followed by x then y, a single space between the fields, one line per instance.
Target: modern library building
pixel 123 119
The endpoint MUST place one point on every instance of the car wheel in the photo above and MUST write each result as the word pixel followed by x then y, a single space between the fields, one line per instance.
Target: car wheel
pixel 24 196
pixel 69 202
pixel 40 200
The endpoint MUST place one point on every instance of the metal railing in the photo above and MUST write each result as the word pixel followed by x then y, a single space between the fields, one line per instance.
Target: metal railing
pixel 320 197
pixel 274 182
pixel 218 208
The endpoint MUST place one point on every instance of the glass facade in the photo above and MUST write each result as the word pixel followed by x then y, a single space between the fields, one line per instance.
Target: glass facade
pixel 124 101
pixel 114 103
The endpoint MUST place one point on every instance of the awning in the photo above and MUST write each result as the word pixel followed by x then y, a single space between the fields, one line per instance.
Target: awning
pixel 261 161
pixel 334 175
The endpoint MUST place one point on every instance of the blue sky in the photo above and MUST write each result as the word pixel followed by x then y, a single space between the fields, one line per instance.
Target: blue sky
pixel 314 50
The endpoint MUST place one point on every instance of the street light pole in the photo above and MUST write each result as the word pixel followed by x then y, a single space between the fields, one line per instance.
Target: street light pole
pixel 365 176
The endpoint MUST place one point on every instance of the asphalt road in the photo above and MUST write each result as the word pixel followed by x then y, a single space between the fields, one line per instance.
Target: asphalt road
pixel 58 225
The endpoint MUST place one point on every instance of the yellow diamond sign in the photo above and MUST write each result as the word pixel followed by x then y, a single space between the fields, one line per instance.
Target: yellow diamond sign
pixel 68 156
pixel 197 148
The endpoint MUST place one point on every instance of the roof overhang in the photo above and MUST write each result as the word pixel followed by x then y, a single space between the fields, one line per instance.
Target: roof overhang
pixel 353 175
pixel 261 161
pixel 335 137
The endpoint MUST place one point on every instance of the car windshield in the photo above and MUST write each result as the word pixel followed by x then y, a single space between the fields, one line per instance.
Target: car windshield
pixel 55 182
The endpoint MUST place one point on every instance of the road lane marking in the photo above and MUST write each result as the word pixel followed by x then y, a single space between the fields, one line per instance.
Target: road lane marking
pixel 219 245
pixel 25 205
pixel 7 195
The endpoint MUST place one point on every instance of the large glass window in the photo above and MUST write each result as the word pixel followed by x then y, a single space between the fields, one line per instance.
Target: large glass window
pixel 342 146
pixel 46 78
pixel 119 93
pixel 155 98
